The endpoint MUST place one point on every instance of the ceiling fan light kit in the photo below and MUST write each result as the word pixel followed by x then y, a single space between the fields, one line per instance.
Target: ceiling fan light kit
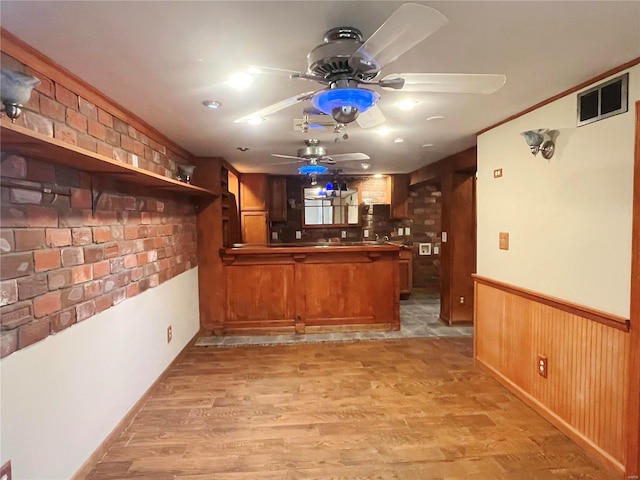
pixel 346 66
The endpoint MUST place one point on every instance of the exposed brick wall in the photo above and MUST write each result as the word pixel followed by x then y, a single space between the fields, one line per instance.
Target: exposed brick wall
pixel 61 264
pixel 57 112
pixel 425 213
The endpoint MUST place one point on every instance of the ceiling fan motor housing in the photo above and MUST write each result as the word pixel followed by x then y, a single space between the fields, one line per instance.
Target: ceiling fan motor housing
pixel 330 60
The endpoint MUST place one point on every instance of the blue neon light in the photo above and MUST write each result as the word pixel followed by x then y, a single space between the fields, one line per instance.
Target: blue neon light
pixel 360 98
pixel 312 169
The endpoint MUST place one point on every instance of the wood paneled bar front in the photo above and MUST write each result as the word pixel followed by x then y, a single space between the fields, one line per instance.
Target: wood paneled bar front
pixel 310 288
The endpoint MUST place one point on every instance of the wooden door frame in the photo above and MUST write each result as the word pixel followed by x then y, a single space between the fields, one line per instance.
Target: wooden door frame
pixel 632 434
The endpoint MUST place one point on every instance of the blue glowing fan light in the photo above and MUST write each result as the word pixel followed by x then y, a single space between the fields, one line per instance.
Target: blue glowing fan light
pixel 312 169
pixel 360 98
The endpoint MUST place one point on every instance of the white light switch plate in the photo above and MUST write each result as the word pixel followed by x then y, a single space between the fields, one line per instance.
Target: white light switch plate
pixel 274 235
pixel 400 231
pixel 365 234
pixel 407 231
pixel 444 237
pixel 343 234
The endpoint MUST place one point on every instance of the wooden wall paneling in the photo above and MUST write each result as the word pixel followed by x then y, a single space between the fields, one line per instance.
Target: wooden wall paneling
pixel 587 380
pixel 446 187
pixel 466 160
pixel 632 412
pixel 399 196
pixel 277 199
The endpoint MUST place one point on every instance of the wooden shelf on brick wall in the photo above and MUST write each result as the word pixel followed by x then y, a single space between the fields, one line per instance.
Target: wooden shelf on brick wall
pixel 36 145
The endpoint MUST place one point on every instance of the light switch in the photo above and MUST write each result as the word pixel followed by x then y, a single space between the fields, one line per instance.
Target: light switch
pixel 497 173
pixel 343 234
pixel 298 234
pixel 436 250
pixel 407 231
pixel 504 241
pixel 274 235
pixel 400 231
pixel 444 237
pixel 365 234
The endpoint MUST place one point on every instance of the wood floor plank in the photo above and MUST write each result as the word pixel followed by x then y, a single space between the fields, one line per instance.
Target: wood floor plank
pixel 404 409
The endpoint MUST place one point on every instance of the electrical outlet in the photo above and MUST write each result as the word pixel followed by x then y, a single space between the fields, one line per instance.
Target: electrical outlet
pixel 343 234
pixel 543 368
pixel 400 231
pixel 436 250
pixel 444 237
pixel 274 235
pixel 461 300
pixel 169 334
pixel 407 231
pixel 497 173
pixel 298 234
pixel 365 234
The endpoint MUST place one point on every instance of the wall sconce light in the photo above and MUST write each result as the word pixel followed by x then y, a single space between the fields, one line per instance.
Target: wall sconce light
pixel 541 140
pixel 15 90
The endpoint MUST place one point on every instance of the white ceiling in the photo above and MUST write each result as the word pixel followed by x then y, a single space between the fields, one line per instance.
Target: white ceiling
pixel 160 60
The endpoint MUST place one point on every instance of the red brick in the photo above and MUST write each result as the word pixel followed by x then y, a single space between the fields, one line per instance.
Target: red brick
pixel 97 130
pixel 16 314
pixel 72 217
pixel 33 332
pixel 101 217
pixel 164 264
pixel 13 216
pixel 38 123
pixel 138 148
pixel 126 143
pixel 46 259
pixel 109 283
pixel 72 256
pixel 132 290
pixel 39 216
pixel 101 269
pixel 76 120
pixel 58 237
pixel 103 302
pixel 93 253
pixel 87 143
pixel 117 232
pixel 120 126
pixel 82 273
pixel 19 195
pixel 142 258
pixel 33 104
pixel 136 273
pixel 67 176
pixel 101 234
pixel 72 296
pixel 8 343
pixel 32 286
pixel 14 265
pixel 81 236
pixel 87 108
pixel 45 86
pixel 80 198
pixel 8 292
pixel 117 264
pixel 60 278
pixel 112 137
pixel 39 171
pixel 46 304
pixel 66 97
pixel 105 118
pixel 65 134
pixel 119 295
pixel 92 289
pixel 85 310
pixel 29 238
pixel 111 251
pixel 52 109
pixel 14 166
pixel 105 150
pixel 123 278
pixel 130 261
pixel 62 319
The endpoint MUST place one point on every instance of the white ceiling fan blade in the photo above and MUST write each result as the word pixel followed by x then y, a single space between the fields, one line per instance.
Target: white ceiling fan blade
pixel 371 118
pixel 276 107
pixel 349 157
pixel 450 82
pixel 286 156
pixel 405 28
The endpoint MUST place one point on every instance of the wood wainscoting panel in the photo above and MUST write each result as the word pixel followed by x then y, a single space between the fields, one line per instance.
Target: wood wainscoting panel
pixel 584 391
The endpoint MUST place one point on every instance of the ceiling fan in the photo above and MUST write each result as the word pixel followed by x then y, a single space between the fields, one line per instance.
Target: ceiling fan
pixel 315 157
pixel 346 66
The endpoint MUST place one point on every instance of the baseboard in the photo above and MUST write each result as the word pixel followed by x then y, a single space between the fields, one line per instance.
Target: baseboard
pixel 100 451
pixel 593 450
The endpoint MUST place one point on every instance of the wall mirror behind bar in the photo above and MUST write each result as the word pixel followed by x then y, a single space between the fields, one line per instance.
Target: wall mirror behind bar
pixel 332 205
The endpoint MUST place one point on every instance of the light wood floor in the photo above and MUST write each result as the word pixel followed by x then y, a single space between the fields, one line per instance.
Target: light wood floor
pixel 413 409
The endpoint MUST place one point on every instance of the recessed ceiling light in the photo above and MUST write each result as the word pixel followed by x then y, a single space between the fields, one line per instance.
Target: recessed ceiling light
pixel 407 104
pixel 427 145
pixel 435 117
pixel 398 140
pixel 243 149
pixel 256 120
pixel 212 104
pixel 365 165
pixel 383 131
pixel 240 81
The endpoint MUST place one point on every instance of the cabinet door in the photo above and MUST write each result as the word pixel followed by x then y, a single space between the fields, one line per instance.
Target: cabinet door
pixel 254 227
pixel 253 192
pixel 399 196
pixel 277 199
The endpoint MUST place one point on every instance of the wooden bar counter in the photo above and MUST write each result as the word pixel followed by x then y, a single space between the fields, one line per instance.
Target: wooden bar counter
pixel 303 288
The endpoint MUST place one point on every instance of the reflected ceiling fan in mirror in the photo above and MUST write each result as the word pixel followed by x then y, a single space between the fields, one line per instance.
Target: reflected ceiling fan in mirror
pixel 347 66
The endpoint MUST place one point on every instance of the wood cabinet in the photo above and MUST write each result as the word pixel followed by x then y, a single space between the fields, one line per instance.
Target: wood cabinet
pixel 398 196
pixel 254 227
pixel 277 199
pixel 253 192
pixel 405 266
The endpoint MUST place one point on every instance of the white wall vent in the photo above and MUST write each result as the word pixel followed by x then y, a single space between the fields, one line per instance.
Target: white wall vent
pixel 605 100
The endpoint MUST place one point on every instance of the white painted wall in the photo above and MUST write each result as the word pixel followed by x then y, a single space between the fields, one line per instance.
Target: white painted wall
pixel 62 396
pixel 568 218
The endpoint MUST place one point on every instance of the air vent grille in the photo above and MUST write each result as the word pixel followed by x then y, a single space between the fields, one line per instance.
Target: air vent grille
pixel 603 101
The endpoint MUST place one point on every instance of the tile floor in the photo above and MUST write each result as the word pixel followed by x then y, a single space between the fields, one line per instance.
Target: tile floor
pixel 418 318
